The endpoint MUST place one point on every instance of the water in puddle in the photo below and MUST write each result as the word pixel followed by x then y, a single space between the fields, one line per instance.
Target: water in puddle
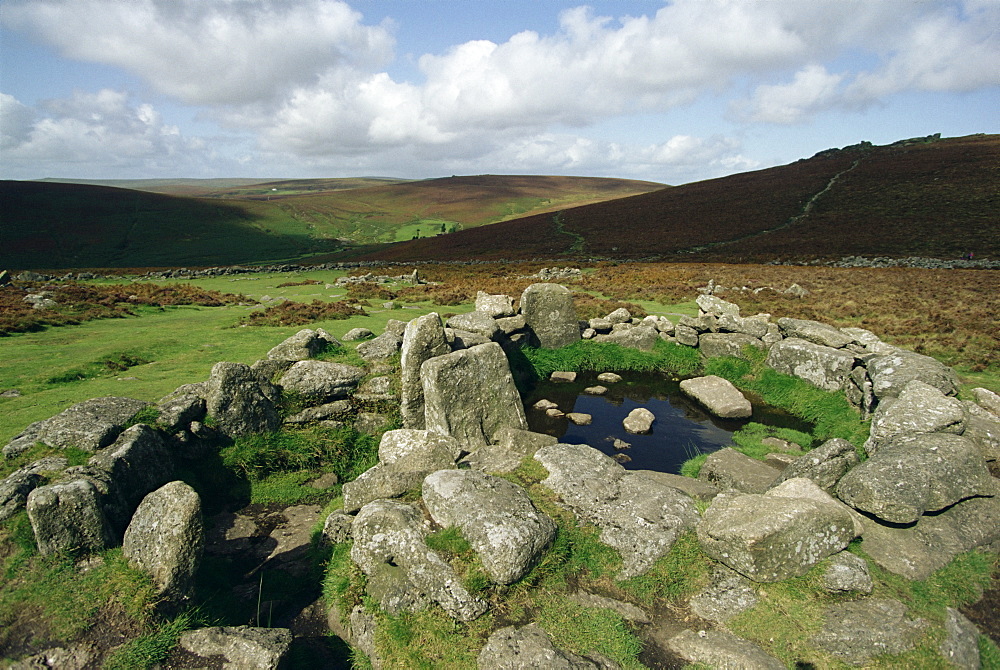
pixel 682 428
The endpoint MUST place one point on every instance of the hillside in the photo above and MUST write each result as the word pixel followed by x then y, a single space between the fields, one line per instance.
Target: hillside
pixel 931 198
pixel 51 225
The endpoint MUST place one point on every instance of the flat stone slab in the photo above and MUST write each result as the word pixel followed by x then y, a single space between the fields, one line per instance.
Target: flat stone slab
pixel 719 649
pixel 857 631
pixel 718 396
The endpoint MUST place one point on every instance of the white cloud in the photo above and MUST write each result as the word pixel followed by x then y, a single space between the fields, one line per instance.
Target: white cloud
pixel 209 52
pixel 812 89
pixel 102 131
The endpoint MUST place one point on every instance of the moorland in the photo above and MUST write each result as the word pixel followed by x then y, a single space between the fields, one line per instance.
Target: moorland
pixel 644 246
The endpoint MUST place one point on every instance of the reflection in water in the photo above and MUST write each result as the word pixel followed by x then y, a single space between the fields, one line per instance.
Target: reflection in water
pixel 682 428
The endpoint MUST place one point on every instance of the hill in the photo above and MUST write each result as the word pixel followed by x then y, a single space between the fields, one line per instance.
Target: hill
pixel 52 225
pixel 930 197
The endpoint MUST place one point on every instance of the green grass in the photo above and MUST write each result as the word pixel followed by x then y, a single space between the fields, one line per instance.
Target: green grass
pixel 150 648
pixel 586 355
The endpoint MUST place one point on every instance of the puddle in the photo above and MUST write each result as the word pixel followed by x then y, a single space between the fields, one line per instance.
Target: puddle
pixel 682 428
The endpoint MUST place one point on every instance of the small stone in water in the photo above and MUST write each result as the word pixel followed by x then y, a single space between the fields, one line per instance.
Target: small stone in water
pixel 544 404
pixel 563 376
pixel 580 419
pixel 622 458
pixel 609 378
pixel 621 444
pixel 595 390
pixel 554 413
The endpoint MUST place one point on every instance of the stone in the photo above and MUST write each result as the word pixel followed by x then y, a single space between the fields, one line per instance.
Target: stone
pixel 729 594
pixel 544 404
pixel 476 322
pixel 338 409
pixel 554 413
pixel 891 372
pixel 464 339
pixel 234 398
pixel 859 630
pixel 686 335
pixel 716 306
pixel 919 408
pixel 917 550
pixel 914 474
pixel 982 427
pixel 396 327
pixel 14 488
pixel 815 332
pixel 242 647
pixel 177 412
pixel 628 611
pixel 67 516
pixel 821 366
pixel 609 378
pixel 770 537
pixel 825 464
pixel 961 647
pixel 729 469
pixel 755 326
pixel 495 306
pixel 383 347
pixel 496 517
pixel 549 311
pixel 306 343
pixel 637 515
pixel 376 390
pixel 620 315
pixel 596 390
pixel 718 396
pixel 418 450
pixel 643 338
pixel 165 538
pixel 712 345
pixel 356 334
pixel 75 657
pixel 600 325
pixel 423 339
pixel 321 381
pixel 337 527
pixel 470 395
pixel 514 648
pixel 704 323
pixel 509 325
pixel 721 649
pixel 389 532
pixel 90 425
pixel 847 573
pixel 639 421
pixel 696 488
pixel 509 448
pixel 560 376
pixel 24 440
pixel 987 399
pixel 579 418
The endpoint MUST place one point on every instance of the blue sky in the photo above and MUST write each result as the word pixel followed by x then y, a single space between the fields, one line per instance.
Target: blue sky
pixel 666 91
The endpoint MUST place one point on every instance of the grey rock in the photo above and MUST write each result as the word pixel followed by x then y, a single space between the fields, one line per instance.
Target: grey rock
pixel 716 306
pixel 720 649
pixel 165 538
pixel 495 516
pixel 376 389
pixel 511 324
pixel 509 448
pixel 476 322
pixel 729 594
pixel 371 423
pixel 712 345
pixel 628 611
pixel 67 516
pixel 771 537
pixel 418 450
pixel 424 339
pixel 579 418
pixel 470 395
pixel 686 335
pixel 90 425
pixel 609 378
pixel 982 427
pixel 696 488
pixel 177 412
pixel 729 469
pixel 987 399
pixel 242 647
pixel 815 332
pixel 395 326
pixel 643 338
pixel 913 474
pixel 75 657
pixel 705 323
pixel 383 347
pixel 321 381
pixel 918 550
pixel 387 532
pixel 495 306
pixel 857 631
pixel 825 464
pixel 755 326
pixel 306 343
pixel 464 339
pixel 562 376
pixel 718 396
pixel 234 398
pixel 891 372
pixel 600 324
pixel 14 488
pixel 356 334
pixel 638 516
pixel 514 648
pixel 639 421
pixel 24 440
pixel 620 315
pixel 821 366
pixel 338 409
pixel 337 527
pixel 596 390
pixel 961 647
pixel 920 408
pixel 847 573
pixel 549 311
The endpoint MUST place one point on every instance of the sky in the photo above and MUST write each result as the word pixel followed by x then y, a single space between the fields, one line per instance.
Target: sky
pixel 672 92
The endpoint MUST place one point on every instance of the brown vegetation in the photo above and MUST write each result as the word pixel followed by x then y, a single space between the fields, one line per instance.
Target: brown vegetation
pixel 290 313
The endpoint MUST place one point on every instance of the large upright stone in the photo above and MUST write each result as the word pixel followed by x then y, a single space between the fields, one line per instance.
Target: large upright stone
pixel 470 395
pixel 165 538
pixel 494 515
pixel 819 365
pixel 235 400
pixel 423 339
pixel 550 313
